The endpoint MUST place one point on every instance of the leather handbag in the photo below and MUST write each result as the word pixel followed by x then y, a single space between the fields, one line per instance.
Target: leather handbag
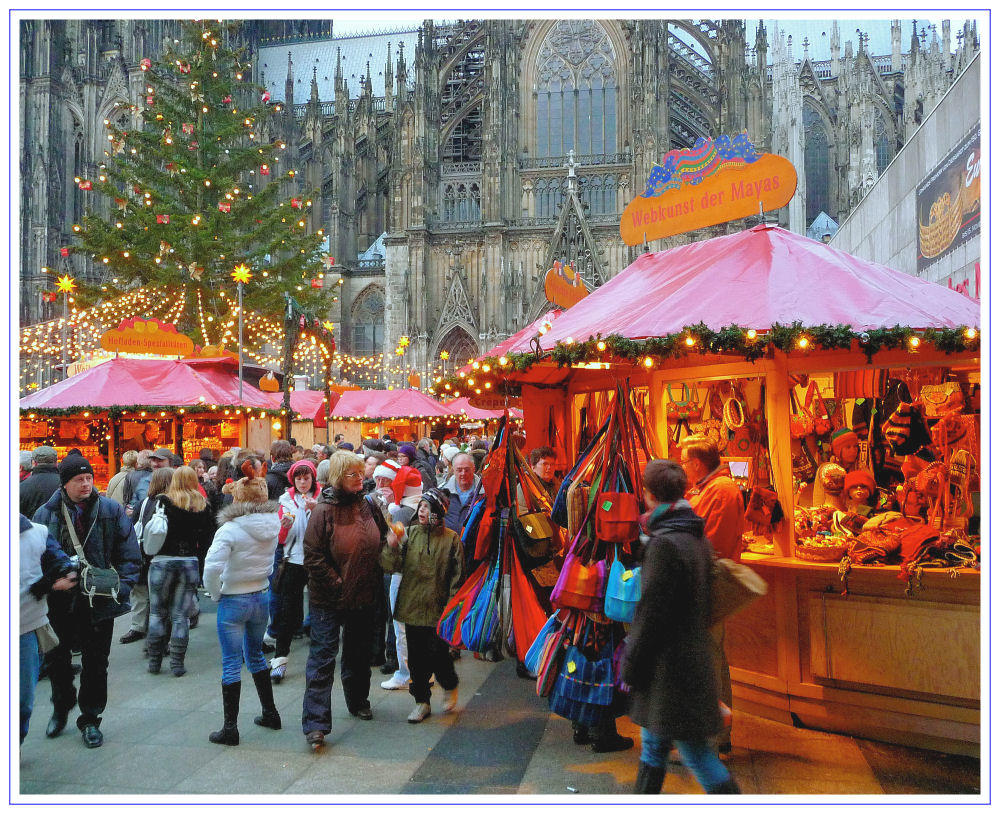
pixel 822 423
pixel 801 422
pixel 763 507
pixel 617 518
pixel 622 595
pixel 533 539
pixel 94 582
pixel 734 586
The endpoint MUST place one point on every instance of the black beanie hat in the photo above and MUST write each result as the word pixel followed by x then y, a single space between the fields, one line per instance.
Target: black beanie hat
pixel 438 501
pixel 73 465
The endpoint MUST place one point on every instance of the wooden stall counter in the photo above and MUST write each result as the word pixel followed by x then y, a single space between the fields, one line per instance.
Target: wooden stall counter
pixel 878 657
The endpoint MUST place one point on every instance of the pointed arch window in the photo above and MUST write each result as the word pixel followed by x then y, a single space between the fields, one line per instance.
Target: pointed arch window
pixel 882 153
pixel 460 346
pixel 575 90
pixel 368 322
pixel 817 161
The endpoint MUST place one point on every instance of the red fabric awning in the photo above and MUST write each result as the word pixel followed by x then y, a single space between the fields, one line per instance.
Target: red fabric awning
pixel 519 342
pixel 461 405
pixel 375 405
pixel 309 404
pixel 163 383
pixel 754 279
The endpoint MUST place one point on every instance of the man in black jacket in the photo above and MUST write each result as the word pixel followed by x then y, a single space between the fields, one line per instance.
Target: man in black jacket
pixel 42 483
pixel 86 623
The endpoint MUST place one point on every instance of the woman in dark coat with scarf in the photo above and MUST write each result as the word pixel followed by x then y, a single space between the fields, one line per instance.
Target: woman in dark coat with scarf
pixel 668 660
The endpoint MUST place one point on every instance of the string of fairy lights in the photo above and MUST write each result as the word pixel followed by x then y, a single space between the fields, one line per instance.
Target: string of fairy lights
pixel 77 338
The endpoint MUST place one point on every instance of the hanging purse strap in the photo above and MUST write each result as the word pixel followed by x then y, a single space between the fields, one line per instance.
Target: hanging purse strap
pixel 72 535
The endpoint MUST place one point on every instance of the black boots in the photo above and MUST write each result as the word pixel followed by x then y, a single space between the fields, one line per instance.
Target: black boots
pixel 178 649
pixel 229 735
pixel 729 787
pixel 649 780
pixel 269 713
pixel 605 737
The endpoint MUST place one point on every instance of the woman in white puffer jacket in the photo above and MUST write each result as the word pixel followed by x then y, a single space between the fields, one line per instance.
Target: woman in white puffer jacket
pixel 236 570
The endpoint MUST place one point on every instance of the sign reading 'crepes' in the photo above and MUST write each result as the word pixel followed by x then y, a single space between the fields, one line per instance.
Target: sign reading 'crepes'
pixel 714 182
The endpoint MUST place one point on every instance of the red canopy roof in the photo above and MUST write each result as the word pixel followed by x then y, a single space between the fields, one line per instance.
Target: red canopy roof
pixel 124 382
pixel 309 404
pixel 461 405
pixel 520 340
pixel 375 405
pixel 754 279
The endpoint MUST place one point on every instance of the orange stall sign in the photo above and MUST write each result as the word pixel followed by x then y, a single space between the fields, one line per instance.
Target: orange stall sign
pixel 713 182
pixel 137 335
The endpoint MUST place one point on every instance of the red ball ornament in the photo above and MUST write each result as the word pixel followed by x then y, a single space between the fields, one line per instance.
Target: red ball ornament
pixel 315 283
pixel 225 206
pixel 145 64
pixel 187 128
pixel 265 170
pixel 265 97
pixel 64 251
pixel 227 100
pixel 163 218
pixel 302 322
pixel 296 203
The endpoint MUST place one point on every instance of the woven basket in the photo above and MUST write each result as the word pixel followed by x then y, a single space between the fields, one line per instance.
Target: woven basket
pixel 826 552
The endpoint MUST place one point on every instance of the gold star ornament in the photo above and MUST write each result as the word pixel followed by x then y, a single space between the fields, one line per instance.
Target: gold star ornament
pixel 65 284
pixel 241 274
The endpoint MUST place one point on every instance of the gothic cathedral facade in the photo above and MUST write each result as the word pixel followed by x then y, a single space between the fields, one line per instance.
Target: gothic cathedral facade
pixel 484 150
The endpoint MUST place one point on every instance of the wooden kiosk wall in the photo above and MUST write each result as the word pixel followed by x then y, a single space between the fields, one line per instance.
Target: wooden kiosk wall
pixel 873 661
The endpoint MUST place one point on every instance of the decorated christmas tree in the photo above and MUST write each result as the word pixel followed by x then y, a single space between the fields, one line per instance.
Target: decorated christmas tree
pixel 197 187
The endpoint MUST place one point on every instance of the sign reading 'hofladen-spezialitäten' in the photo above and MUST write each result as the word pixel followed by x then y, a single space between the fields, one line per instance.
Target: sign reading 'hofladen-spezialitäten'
pixel 713 182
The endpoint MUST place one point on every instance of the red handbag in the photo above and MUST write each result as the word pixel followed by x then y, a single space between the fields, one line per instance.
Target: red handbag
pixel 617 518
pixel 581 586
pixel 822 423
pixel 800 420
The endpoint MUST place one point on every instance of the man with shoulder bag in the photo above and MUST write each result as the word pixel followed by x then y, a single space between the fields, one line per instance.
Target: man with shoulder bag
pixel 98 534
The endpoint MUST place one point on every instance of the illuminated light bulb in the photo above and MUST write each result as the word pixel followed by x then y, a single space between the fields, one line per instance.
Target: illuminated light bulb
pixel 601 345
pixel 914 341
pixel 751 334
pixel 648 361
pixel 970 333
pixel 689 341
pixel 803 342
pixel 486 368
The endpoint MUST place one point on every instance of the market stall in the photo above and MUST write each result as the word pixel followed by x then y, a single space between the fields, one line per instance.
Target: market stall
pixel 185 405
pixel 404 414
pixel 775 347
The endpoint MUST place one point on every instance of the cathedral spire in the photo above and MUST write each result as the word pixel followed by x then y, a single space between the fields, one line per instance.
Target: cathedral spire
pixel 388 76
pixel 314 90
pixel 289 84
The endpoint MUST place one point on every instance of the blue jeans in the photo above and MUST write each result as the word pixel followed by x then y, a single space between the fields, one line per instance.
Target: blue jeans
pixel 701 757
pixel 173 582
pixel 31 662
pixel 241 622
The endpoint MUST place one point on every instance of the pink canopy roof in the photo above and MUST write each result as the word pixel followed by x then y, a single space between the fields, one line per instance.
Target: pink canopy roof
pixel 520 340
pixel 124 382
pixel 375 405
pixel 754 279
pixel 309 404
pixel 461 405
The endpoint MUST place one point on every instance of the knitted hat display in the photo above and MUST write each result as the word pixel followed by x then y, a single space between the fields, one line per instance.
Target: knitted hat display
pixel 297 467
pixel 387 469
pixel 73 465
pixel 409 451
pixel 859 477
pixel 896 428
pixel 438 501
pixel 250 490
pixel 841 438
pixel 408 483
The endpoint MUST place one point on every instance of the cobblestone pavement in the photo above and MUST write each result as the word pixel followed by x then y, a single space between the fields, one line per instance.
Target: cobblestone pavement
pixel 500 741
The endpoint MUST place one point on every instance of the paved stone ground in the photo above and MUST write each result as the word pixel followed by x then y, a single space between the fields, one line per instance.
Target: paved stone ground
pixel 500 741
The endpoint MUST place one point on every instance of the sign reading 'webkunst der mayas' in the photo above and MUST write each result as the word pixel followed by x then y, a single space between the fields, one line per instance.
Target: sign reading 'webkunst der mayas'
pixel 713 182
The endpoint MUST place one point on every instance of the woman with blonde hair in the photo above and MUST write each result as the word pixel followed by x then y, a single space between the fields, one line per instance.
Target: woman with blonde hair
pixel 343 539
pixel 174 573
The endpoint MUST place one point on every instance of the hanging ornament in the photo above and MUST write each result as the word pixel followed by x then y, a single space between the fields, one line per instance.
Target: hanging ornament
pixel 187 128
pixel 185 67
pixel 302 321
pixel 164 247
pixel 137 189
pixel 64 251
pixel 265 170
pixel 328 262
pixel 120 203
pixel 265 97
pixel 193 145
pixel 49 296
pixel 149 101
pixel 316 283
pixel 118 144
pixel 145 64
pixel 196 271
pixel 225 206
pixel 171 167
pixel 163 218
pixel 227 100
pixel 296 203
pixel 85 184
pixel 328 325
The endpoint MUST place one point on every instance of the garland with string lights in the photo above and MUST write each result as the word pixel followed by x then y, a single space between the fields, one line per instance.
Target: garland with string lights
pixel 732 340
pixel 192 185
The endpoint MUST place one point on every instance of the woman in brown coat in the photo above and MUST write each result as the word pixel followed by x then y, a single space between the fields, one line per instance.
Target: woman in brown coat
pixel 341 556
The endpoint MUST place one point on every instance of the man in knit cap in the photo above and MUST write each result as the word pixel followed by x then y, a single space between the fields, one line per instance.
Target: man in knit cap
pixel 81 520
